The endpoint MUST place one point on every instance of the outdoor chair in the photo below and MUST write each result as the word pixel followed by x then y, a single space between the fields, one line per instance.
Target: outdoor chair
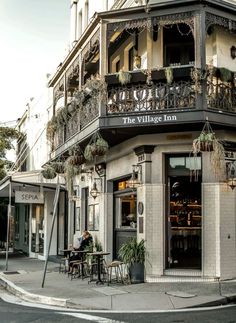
pixel 114 272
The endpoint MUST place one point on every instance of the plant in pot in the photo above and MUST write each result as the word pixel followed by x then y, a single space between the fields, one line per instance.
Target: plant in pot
pixel 96 147
pixel 76 157
pixel 207 142
pixel 124 77
pixel 133 254
pixel 48 172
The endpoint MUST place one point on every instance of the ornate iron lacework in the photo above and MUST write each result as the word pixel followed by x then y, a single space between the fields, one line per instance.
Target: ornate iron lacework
pixel 221 21
pixel 221 95
pixel 156 97
pixel 91 46
pixel 143 23
pixel 73 125
pixel 184 17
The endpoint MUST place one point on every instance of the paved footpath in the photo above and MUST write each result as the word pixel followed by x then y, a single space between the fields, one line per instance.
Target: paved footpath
pixel 25 275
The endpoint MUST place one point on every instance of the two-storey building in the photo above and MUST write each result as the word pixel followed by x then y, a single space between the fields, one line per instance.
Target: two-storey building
pixel 145 77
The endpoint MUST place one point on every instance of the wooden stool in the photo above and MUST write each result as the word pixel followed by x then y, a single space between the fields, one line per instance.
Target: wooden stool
pixel 114 267
pixel 64 262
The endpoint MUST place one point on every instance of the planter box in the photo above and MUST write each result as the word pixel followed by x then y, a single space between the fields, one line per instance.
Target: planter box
pixel 136 271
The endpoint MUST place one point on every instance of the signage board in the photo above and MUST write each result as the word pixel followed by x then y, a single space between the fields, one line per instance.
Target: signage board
pixel 29 197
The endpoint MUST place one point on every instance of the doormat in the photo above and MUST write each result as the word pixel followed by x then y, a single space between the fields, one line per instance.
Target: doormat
pixel 11 272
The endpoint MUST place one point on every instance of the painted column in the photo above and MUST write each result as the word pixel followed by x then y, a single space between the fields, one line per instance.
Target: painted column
pixel 200 53
pixel 103 60
pixel 73 21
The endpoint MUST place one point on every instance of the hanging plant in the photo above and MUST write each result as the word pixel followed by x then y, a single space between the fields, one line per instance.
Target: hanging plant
pixel 88 153
pixel 62 117
pixel 58 166
pixel 70 172
pixel 225 74
pixel 97 147
pixel 124 77
pixel 48 172
pixel 76 159
pixel 169 75
pixel 51 129
pixel 197 76
pixel 207 141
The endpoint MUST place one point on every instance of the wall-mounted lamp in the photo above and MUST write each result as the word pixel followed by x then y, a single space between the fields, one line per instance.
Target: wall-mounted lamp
pixel 136 178
pixel 100 169
pixel 231 174
pixel 233 52
pixel 95 191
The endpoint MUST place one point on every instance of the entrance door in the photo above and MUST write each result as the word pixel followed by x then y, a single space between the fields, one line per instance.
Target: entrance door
pixel 125 219
pixel 184 216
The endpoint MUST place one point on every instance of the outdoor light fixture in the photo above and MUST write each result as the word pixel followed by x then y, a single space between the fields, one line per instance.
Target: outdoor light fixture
pixel 95 191
pixel 231 174
pixel 233 52
pixel 136 178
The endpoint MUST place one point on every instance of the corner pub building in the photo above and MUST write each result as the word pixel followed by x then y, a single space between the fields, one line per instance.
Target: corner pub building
pixel 150 185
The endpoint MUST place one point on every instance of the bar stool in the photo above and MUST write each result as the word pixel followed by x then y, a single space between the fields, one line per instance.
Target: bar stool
pixel 114 268
pixel 63 265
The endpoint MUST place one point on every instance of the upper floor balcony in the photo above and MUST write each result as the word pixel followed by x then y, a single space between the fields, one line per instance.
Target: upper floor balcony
pixel 156 68
pixel 177 95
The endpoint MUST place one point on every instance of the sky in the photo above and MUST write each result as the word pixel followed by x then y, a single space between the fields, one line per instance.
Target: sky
pixel 34 39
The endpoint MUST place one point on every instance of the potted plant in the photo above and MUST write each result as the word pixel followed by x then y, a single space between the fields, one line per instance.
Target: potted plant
pixel 169 75
pixel 124 77
pixel 207 141
pixel 97 147
pixel 48 172
pixel 133 254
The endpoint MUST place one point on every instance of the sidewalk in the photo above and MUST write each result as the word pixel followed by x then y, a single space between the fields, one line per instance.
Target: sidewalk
pixel 25 275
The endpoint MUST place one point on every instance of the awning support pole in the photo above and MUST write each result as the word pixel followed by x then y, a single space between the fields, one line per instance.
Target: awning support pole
pixel 8 225
pixel 55 204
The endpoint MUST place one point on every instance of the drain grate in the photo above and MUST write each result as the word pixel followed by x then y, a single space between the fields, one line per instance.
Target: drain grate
pixel 11 272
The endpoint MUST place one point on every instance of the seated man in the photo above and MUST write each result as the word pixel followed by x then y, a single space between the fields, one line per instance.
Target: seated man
pixel 85 241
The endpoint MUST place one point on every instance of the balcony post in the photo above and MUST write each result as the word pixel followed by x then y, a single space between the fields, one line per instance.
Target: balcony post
pixel 103 60
pixel 200 54
pixel 149 49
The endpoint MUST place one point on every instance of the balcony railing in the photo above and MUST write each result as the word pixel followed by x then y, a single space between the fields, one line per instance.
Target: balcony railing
pixel 155 94
pixel 153 97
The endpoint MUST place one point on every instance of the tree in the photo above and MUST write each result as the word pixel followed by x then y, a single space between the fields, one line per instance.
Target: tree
pixel 7 136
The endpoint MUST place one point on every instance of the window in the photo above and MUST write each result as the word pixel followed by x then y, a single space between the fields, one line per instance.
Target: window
pixel 93 218
pixel 131 58
pixel 178 45
pixel 117 66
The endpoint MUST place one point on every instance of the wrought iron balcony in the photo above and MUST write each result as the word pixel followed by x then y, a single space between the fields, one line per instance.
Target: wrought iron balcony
pixel 152 93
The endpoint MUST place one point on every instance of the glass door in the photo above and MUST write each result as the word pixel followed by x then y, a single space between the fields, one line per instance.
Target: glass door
pixel 184 214
pixel 125 219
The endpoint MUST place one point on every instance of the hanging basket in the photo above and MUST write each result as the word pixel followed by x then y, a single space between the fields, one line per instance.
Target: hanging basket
pixel 48 172
pixel 58 166
pixel 76 159
pixel 97 147
pixel 205 141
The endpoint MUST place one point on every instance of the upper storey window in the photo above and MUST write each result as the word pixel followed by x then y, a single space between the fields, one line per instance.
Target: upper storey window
pixel 178 45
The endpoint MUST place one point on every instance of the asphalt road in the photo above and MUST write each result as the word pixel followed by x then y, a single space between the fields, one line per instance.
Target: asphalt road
pixel 14 313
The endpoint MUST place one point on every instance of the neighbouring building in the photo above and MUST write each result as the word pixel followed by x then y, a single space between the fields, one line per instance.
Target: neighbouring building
pixel 31 195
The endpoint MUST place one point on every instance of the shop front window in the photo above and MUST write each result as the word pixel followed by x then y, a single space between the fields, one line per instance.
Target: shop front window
pixel 184 218
pixel 37 223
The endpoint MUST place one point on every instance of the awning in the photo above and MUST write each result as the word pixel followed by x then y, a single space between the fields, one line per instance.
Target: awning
pixel 28 181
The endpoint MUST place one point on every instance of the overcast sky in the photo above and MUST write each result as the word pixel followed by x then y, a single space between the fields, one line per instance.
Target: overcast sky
pixel 34 38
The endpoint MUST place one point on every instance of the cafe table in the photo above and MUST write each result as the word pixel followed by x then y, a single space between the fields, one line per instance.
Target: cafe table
pixel 99 255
